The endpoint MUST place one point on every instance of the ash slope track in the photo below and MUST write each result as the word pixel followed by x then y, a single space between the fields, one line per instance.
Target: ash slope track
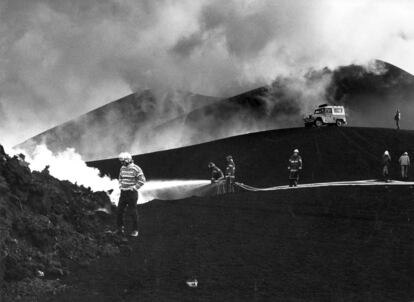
pixel 315 244
pixel 329 154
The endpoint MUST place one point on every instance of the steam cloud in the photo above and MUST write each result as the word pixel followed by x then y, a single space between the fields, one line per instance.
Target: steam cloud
pixel 59 58
pixel 68 165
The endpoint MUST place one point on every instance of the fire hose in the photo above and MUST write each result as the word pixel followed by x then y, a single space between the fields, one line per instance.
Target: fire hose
pixel 253 189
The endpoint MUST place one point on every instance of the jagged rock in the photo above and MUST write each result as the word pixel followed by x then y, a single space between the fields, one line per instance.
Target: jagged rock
pixel 45 225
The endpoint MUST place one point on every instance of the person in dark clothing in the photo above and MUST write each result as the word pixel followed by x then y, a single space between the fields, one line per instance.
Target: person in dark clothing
pixel 230 174
pixel 217 178
pixel 397 119
pixel 295 166
pixel 386 163
pixel 216 173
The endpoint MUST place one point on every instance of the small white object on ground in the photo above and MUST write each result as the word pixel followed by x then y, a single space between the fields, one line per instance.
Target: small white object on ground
pixel 192 283
pixel 40 273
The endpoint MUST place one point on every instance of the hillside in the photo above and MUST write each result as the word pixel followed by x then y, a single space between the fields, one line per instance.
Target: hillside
pixel 312 244
pixel 47 226
pixel 329 154
pixel 105 131
pixel 149 122
pixel 342 244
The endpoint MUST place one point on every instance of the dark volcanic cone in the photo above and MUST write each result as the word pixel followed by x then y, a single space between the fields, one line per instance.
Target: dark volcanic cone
pixel 115 127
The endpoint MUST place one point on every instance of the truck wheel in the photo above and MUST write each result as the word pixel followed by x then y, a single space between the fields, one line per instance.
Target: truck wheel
pixel 318 123
pixel 339 123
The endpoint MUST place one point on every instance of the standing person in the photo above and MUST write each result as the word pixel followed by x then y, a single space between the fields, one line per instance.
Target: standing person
pixel 295 165
pixel 386 163
pixel 131 179
pixel 405 164
pixel 216 173
pixel 216 178
pixel 397 118
pixel 230 174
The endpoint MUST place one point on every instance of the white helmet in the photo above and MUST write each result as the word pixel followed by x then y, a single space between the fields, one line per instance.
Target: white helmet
pixel 386 152
pixel 296 151
pixel 125 156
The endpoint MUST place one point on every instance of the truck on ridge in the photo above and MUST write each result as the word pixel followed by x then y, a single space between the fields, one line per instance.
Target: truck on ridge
pixel 326 115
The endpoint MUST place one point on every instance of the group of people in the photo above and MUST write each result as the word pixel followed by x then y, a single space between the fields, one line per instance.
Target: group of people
pixel 404 162
pixel 131 179
pixel 217 176
pixel 228 179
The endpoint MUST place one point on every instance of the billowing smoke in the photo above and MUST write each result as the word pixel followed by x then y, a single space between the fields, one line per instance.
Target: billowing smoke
pixel 68 165
pixel 59 58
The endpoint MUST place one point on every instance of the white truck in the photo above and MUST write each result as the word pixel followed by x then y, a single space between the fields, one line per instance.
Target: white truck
pixel 326 115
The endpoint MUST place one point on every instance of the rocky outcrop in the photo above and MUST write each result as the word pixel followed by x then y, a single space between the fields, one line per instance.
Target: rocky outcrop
pixel 46 226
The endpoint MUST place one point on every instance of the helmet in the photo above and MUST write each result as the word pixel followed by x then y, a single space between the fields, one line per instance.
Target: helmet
pixel 405 153
pixel 211 164
pixel 296 151
pixel 229 157
pixel 386 152
pixel 125 156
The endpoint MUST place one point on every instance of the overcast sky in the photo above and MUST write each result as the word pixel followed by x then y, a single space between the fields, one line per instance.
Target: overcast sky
pixel 62 58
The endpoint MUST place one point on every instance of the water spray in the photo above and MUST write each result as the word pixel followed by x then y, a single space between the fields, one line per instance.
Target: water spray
pixel 167 190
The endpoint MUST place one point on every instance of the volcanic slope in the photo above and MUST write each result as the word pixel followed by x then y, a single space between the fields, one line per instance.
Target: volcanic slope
pixel 147 122
pixel 328 153
pixel 319 244
pixel 314 244
pixel 115 126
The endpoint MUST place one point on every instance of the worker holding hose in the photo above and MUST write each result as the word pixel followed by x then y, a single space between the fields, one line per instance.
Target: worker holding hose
pixel 131 179
pixel 230 174
pixel 217 177
pixel 216 173
pixel 295 166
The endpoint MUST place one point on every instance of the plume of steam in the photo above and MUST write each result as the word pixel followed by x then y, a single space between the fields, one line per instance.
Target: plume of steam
pixel 68 165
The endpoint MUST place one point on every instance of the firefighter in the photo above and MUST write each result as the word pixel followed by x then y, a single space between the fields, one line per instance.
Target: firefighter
pixel 405 164
pixel 295 165
pixel 386 163
pixel 230 174
pixel 216 173
pixel 217 177
pixel 397 119
pixel 131 179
